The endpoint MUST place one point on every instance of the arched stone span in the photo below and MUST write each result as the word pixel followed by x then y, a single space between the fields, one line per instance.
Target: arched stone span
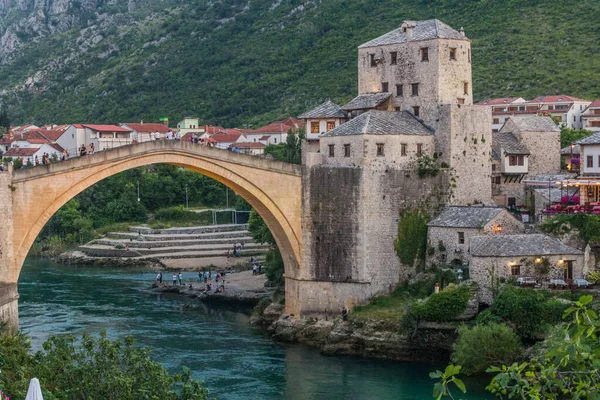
pixel 272 188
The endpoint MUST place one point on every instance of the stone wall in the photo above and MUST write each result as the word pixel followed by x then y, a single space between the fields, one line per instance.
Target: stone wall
pixel 464 140
pixel 9 305
pixel 350 220
pixel 6 226
pixel 481 269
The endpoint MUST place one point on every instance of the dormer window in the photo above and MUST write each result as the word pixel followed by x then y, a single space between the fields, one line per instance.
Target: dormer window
pixel 404 29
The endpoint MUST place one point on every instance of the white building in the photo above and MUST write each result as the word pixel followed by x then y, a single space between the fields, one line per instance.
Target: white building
pixel 322 119
pixel 107 136
pixel 503 108
pixel 568 108
pixel 29 154
pixel 591 117
pixel 142 132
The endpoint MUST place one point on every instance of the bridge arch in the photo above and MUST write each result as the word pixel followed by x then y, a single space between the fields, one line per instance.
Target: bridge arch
pixel 272 188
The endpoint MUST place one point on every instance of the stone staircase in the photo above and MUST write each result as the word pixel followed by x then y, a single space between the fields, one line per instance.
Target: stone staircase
pixel 190 242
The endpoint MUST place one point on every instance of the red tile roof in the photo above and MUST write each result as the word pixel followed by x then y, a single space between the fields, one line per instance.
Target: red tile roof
pixel 226 137
pixel 52 135
pixel 282 126
pixel 57 147
pixel 595 104
pixel 555 99
pixel 211 129
pixel 21 152
pixel 78 126
pixel 265 137
pixel 500 100
pixel 106 128
pixel 147 128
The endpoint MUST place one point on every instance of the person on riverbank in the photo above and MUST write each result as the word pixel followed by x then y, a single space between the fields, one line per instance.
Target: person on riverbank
pixel 159 277
pixel 222 290
pixel 179 276
pixel 344 315
pixel 174 279
pixel 259 268
pixel 254 269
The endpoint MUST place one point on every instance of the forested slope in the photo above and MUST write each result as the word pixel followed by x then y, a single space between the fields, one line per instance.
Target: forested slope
pixel 236 62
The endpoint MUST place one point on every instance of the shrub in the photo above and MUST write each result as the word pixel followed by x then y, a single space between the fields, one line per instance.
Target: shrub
pixel 274 267
pixel 181 214
pixel 411 242
pixel 528 310
pixel 443 306
pixel 483 346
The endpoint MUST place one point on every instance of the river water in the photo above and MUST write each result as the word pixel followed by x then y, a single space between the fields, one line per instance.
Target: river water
pixel 236 360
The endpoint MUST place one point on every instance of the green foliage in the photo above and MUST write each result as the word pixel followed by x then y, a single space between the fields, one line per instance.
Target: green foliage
pixel 570 369
pixel 241 204
pixel 91 368
pixel 181 214
pixel 593 277
pixel 258 229
pixel 443 306
pixel 427 166
pixel 483 345
pixel 441 389
pixel 529 311
pixel 383 308
pixel 273 266
pixel 18 163
pixel 180 46
pixel 587 225
pixel 569 136
pixel 4 121
pixel 292 152
pixel 411 243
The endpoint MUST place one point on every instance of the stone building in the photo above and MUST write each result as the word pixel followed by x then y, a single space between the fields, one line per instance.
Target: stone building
pixel 414 97
pixel 450 232
pixel 525 147
pixel 535 256
pixel 321 119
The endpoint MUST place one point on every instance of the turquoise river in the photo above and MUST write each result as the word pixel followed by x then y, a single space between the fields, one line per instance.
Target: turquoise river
pixel 235 359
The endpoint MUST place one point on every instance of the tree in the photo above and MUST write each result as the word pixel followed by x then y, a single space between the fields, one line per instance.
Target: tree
pixel 483 345
pixel 4 120
pixel 87 367
pixel 411 242
pixel 258 229
pixel 571 370
pixel 569 136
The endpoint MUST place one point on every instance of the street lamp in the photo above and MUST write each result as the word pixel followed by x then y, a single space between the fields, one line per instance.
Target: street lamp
pixel 186 196
pixel 138 187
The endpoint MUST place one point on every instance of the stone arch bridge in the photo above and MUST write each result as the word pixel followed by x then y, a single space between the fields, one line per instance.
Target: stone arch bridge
pixel 29 197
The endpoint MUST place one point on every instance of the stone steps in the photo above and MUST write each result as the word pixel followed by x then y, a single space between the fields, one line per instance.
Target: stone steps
pixel 165 237
pixel 172 243
pixel 111 251
pixel 189 230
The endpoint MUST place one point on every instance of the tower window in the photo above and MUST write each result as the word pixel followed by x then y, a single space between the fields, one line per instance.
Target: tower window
pixel 416 110
pixel 346 150
pixel 466 87
pixel 461 238
pixel 469 55
pixel 415 89
pixel 380 149
pixel 419 149
pixel 384 87
pixel 393 57
pixel 314 127
pixel 373 61
pixel 424 53
pixel 399 91
pixel 403 149
pixel 331 150
pixel 330 125
pixel 453 53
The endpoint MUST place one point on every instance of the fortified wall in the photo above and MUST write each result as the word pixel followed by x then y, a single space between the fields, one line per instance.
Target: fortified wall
pixel 350 219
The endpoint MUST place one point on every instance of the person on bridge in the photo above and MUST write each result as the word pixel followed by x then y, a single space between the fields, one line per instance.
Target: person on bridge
pixel 82 150
pixel 91 148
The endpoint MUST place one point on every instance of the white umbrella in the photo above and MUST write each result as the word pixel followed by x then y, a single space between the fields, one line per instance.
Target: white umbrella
pixel 35 391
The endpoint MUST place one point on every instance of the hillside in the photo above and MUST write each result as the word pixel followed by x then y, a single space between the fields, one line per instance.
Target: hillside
pixel 236 62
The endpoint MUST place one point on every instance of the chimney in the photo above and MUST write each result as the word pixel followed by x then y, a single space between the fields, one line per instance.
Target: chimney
pixel 142 122
pixel 407 28
pixel 462 31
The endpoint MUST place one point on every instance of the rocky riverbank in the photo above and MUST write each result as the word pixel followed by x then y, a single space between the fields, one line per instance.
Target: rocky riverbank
pixel 373 338
pixel 240 287
pixel 79 257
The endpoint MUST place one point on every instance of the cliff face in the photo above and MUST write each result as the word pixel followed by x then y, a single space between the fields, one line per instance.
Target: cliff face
pixel 22 21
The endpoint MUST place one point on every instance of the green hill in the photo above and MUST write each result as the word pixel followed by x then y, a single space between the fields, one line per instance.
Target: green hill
pixel 236 62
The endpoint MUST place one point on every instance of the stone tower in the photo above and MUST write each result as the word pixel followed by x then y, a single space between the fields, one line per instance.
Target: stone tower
pixel 425 66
